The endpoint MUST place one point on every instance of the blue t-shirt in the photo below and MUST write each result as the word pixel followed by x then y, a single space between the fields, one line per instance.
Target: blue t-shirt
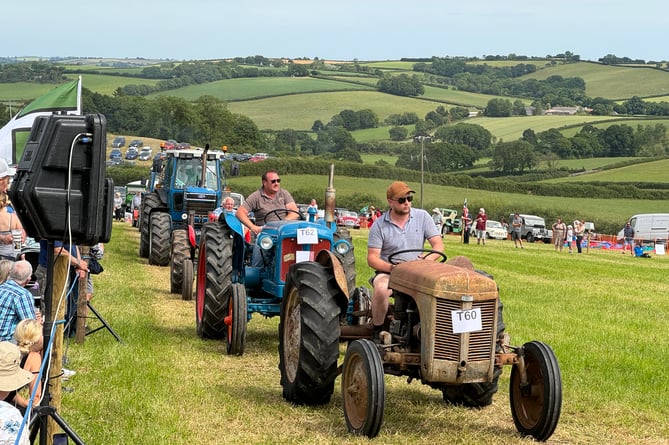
pixel 56 244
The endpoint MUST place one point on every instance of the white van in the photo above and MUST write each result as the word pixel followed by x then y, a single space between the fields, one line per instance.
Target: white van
pixel 649 226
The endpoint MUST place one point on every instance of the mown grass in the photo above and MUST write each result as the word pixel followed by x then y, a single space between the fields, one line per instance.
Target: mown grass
pixel 604 314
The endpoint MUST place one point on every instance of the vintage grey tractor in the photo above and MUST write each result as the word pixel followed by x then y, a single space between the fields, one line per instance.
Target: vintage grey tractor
pixel 230 287
pixel 444 329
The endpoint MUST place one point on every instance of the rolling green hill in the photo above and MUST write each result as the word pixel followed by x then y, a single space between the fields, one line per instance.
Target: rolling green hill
pixel 611 82
pixel 262 87
pixel 272 113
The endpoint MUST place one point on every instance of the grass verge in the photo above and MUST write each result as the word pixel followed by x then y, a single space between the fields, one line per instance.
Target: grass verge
pixel 603 313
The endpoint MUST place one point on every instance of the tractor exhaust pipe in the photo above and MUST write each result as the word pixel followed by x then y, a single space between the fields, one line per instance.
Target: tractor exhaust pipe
pixel 330 199
pixel 204 166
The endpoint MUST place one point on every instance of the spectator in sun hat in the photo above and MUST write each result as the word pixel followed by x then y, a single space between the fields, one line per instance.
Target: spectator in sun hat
pixel 12 377
pixel 438 219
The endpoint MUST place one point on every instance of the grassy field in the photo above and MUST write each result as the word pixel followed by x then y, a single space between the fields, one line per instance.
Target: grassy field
pixel 655 171
pixel 249 88
pixel 306 108
pixel 603 313
pixel 611 82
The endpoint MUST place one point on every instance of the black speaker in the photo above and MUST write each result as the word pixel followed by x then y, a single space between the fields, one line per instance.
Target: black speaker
pixel 60 191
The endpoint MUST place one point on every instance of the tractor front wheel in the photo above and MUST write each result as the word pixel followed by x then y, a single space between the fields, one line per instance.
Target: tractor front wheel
pixel 309 334
pixel 536 405
pixel 187 285
pixel 180 252
pixel 236 320
pixel 363 389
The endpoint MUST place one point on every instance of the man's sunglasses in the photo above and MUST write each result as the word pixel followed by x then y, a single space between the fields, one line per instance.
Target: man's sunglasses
pixel 404 199
pixel 275 181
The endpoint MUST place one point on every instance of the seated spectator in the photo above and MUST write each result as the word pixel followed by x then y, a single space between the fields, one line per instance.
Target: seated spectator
pixel 16 302
pixel 28 336
pixel 12 377
pixel 5 266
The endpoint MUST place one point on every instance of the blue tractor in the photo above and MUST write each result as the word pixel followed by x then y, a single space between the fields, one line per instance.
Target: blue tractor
pixel 231 287
pixel 185 187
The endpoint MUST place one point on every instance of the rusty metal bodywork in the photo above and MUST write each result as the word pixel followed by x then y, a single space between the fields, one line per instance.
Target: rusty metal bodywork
pixel 438 289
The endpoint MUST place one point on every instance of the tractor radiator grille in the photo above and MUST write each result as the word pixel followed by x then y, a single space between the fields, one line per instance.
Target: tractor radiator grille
pixel 200 203
pixel 448 345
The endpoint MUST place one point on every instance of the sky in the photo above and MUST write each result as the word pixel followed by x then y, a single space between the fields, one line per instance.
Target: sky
pixel 334 30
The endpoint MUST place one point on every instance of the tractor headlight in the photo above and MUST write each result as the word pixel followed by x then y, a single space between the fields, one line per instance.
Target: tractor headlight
pixel 266 242
pixel 342 247
pixel 184 216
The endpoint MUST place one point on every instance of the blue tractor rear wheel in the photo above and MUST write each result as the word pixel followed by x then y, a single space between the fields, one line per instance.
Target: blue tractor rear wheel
pixel 309 334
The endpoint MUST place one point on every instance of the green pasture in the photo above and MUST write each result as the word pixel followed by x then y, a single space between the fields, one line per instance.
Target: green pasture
pixel 390 65
pixel 630 121
pixel 106 84
pixel 371 81
pixel 604 314
pixel 511 128
pixel 655 171
pixel 24 92
pixel 250 88
pixel 271 113
pixel 611 82
pixel 461 98
pixel 372 158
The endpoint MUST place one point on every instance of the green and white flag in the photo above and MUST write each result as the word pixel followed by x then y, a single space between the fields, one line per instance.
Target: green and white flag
pixel 63 99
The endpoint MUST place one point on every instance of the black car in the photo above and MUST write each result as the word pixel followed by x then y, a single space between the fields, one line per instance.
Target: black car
pixel 118 142
pixel 136 143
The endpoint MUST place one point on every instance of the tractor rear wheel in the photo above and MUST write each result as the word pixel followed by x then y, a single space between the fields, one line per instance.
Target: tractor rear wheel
pixel 187 285
pixel 149 202
pixel 159 239
pixel 180 252
pixel 309 334
pixel 236 320
pixel 363 389
pixel 214 281
pixel 347 260
pixel 536 406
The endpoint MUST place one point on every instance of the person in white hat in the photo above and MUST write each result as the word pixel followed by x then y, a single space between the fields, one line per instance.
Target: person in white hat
pixel 12 377
pixel 5 175
pixel 438 219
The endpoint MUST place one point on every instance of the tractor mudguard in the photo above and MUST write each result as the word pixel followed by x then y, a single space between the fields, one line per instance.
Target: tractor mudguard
pixel 329 260
pixel 234 223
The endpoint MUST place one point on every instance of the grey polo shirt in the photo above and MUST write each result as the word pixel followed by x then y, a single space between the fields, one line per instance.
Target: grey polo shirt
pixel 261 204
pixel 390 238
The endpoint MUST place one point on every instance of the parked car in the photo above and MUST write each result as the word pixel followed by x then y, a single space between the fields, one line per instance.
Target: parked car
pixel 533 229
pixel 116 156
pixel 118 142
pixel 137 143
pixel 347 218
pixel 493 230
pixel 183 146
pixel 131 153
pixel 169 144
pixel 145 154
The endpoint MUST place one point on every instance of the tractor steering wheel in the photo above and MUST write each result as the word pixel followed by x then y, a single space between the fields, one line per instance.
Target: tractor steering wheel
pixel 285 213
pixel 391 257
